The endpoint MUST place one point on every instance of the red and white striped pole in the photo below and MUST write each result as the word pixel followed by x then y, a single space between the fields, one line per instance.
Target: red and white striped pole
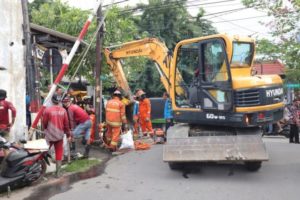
pixel 64 68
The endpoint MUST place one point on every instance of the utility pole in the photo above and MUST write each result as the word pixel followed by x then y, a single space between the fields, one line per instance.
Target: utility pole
pixel 30 70
pixel 37 74
pixel 98 87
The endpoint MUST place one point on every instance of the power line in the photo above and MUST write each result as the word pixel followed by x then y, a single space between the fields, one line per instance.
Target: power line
pixel 148 7
pixel 224 5
pixel 250 30
pixel 210 14
pixel 240 19
pixel 174 4
pixel 147 27
pixel 115 3
pixel 223 12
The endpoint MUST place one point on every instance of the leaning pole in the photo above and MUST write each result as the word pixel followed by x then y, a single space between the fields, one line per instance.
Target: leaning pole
pixel 64 68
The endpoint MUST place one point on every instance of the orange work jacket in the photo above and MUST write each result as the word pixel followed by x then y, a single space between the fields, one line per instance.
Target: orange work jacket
pixel 145 108
pixel 115 112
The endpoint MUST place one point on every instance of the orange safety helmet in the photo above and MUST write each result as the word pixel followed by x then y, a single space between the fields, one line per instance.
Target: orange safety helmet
pixel 140 93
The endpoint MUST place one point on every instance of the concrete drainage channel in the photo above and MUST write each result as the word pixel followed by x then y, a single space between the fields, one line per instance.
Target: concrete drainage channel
pixel 63 184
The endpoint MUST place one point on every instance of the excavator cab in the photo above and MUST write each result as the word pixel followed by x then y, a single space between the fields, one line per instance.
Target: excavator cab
pixel 206 78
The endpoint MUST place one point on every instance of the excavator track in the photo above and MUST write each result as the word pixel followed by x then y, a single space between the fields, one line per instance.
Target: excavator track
pixel 187 143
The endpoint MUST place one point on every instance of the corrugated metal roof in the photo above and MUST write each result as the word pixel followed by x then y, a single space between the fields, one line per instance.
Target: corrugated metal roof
pixel 270 67
pixel 63 36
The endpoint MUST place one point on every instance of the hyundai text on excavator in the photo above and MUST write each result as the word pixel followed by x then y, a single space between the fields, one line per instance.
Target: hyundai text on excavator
pixel 218 102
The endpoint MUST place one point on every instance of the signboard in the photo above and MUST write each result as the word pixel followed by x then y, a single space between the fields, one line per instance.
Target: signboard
pixel 291 85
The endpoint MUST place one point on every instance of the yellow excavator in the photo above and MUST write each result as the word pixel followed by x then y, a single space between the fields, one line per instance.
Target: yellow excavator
pixel 218 102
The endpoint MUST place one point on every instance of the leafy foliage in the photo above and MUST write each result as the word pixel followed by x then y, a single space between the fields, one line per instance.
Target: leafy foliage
pixel 285 26
pixel 168 20
pixel 121 29
pixel 268 50
pixel 286 15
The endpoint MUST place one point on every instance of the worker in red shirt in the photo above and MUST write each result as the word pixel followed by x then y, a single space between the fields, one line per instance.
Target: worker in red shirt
pixel 56 124
pixel 144 113
pixel 80 123
pixel 5 106
pixel 115 116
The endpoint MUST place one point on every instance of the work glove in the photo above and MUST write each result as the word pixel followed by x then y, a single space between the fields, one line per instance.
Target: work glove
pixel 135 119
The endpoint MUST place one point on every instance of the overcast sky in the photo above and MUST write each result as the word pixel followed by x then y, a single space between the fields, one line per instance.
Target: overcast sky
pixel 228 16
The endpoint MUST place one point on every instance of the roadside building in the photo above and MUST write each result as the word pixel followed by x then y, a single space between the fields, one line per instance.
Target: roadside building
pixel 12 68
pixel 16 76
pixel 270 67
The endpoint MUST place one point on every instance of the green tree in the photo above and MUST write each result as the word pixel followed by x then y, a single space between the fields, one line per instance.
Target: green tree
pixel 170 21
pixel 35 5
pixel 121 28
pixel 268 50
pixel 286 28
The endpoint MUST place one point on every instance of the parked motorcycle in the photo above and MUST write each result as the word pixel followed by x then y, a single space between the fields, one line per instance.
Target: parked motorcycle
pixel 285 130
pixel 21 166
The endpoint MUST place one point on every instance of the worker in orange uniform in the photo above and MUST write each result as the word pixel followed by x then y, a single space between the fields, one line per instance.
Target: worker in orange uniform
pixel 115 116
pixel 145 113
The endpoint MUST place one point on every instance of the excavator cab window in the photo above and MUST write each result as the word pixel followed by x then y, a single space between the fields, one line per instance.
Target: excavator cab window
pixel 242 54
pixel 213 63
pixel 188 67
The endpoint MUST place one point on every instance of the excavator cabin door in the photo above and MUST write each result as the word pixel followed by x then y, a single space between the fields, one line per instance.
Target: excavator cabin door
pixel 205 71
pixel 215 85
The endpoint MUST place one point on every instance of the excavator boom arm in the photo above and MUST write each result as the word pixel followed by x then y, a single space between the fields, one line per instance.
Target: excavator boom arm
pixel 148 47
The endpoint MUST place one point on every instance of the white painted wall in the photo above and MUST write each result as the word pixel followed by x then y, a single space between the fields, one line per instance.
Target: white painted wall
pixel 12 58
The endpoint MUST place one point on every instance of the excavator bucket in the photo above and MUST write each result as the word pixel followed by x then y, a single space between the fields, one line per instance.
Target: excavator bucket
pixel 185 144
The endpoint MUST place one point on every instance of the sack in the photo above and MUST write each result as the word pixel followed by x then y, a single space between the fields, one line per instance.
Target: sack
pixel 66 146
pixel 127 140
pixel 139 145
pixel 159 136
pixel 159 132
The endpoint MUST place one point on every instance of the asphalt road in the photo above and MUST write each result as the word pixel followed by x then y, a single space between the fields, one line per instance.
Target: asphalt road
pixel 144 176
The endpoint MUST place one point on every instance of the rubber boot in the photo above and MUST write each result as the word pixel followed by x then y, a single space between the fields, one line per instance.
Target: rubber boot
pixel 58 169
pixel 86 151
pixel 83 141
